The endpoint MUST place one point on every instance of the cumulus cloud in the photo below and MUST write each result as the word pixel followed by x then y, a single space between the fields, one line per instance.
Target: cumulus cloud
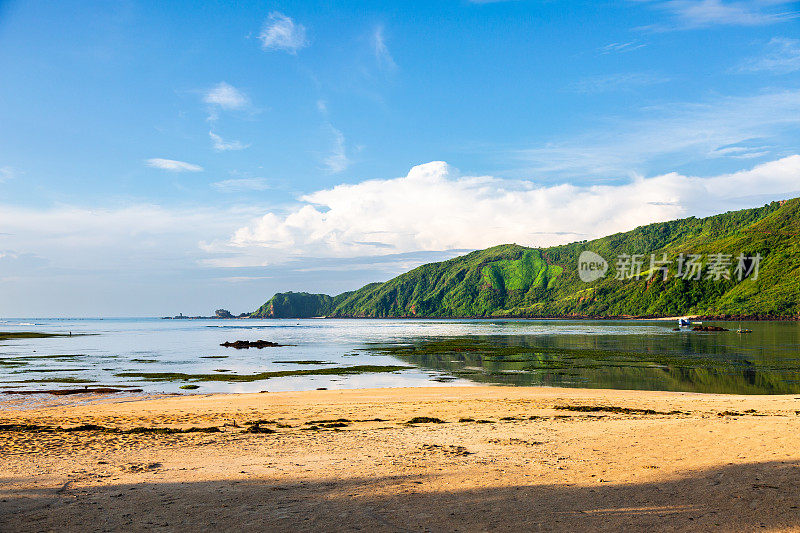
pixel 173 165
pixel 333 239
pixel 782 57
pixel 221 145
pixel 433 208
pixel 282 33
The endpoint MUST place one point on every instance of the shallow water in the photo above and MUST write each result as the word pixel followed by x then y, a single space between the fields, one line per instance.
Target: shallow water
pixel 609 354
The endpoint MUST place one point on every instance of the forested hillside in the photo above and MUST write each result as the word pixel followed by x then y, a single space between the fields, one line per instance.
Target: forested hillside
pixel 511 280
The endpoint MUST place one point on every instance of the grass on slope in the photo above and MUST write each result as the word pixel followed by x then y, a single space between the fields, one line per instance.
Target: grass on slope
pixel 512 280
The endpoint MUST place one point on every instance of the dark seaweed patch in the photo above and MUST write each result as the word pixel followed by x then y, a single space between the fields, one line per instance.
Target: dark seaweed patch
pixel 425 420
pixel 737 413
pixel 64 392
pixel 55 380
pixel 309 362
pixel 330 421
pixel 12 363
pixel 7 335
pixel 103 429
pixel 613 409
pixel 339 371
pixel 54 356
pixel 258 428
pixel 48 370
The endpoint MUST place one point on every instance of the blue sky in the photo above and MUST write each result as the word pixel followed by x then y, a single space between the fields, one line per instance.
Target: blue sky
pixel 158 158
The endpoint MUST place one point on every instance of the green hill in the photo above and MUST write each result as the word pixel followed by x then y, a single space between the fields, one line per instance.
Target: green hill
pixel 516 281
pixel 299 305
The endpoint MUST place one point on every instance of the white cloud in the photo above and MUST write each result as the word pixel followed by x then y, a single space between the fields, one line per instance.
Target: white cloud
pixel 382 54
pixel 7 173
pixel 226 96
pixel 432 208
pixel 619 48
pixel 281 32
pixel 692 14
pixel 616 82
pixel 136 260
pixel 783 57
pixel 173 165
pixel 134 237
pixel 221 145
pixel 68 259
pixel 741 152
pixel 242 184
pixel 337 161
pixel 684 131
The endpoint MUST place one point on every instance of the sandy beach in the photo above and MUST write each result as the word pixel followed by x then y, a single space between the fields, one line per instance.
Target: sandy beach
pixel 476 458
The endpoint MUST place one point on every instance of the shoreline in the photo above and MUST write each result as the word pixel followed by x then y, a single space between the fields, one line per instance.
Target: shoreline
pixel 405 394
pixel 437 458
pixel 716 318
pixel 720 318
pixel 70 396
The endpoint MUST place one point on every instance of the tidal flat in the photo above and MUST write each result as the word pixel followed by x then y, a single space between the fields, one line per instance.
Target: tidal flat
pixel 161 356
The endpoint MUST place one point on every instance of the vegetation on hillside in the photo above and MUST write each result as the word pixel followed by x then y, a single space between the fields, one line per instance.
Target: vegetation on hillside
pixel 516 281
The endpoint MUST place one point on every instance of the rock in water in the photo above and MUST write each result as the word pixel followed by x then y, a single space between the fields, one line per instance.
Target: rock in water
pixel 251 344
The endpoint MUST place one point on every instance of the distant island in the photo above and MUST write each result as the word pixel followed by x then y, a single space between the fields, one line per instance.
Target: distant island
pixel 512 281
pixel 218 314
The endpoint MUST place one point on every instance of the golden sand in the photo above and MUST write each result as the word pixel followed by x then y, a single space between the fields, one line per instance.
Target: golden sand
pixel 721 462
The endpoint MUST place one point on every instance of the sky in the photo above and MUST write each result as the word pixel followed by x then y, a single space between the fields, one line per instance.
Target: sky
pixel 168 157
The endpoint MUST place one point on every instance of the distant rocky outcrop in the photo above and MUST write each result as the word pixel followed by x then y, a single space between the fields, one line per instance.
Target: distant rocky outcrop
pixel 222 314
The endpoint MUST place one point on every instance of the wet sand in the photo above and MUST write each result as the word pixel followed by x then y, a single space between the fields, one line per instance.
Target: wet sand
pixel 349 461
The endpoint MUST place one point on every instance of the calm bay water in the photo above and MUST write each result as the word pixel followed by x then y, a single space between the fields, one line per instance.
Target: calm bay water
pixel 608 354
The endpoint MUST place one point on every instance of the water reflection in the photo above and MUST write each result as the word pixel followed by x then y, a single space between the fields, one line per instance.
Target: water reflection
pixel 579 353
pixel 766 361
